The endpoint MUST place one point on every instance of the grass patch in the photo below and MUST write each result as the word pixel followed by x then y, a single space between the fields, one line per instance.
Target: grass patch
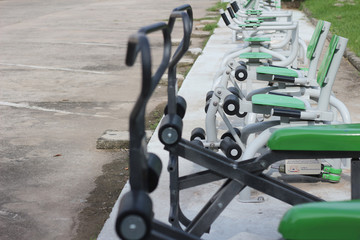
pixel 344 17
pixel 217 7
pixel 210 27
pixel 154 117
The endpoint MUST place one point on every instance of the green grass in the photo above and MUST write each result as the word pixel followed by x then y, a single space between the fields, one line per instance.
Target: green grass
pixel 345 19
pixel 210 27
pixel 218 6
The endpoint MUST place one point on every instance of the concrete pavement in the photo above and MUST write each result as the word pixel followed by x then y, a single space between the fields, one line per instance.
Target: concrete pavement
pixel 63 83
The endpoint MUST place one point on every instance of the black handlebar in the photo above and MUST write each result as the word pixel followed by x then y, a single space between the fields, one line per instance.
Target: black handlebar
pixel 187 20
pixel 139 43
pixel 135 216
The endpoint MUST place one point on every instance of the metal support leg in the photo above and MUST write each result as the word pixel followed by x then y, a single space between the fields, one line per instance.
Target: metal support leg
pixel 214 207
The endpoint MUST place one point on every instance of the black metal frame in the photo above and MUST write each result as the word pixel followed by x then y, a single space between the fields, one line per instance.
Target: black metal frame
pixel 239 175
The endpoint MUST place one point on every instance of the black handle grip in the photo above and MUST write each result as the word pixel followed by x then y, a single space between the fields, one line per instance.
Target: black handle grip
pixel 235 6
pixel 139 42
pixel 187 20
pixel 286 113
pixel 231 12
pixel 185 42
pixel 188 9
pixel 286 79
pixel 224 17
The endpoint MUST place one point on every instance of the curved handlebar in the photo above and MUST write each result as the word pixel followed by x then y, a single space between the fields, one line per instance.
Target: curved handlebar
pixel 188 9
pixel 187 19
pixel 185 42
pixel 139 43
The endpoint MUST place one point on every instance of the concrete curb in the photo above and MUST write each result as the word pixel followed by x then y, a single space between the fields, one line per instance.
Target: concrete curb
pixel 351 56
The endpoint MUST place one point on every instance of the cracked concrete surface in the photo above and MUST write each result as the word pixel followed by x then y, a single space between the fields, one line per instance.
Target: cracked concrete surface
pixel 63 83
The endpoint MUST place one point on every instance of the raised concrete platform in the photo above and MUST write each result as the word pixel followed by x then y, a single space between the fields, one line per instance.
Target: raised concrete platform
pixel 251 221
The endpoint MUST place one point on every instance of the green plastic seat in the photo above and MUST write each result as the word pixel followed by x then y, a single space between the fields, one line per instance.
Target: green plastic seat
pixel 255 55
pixel 257 39
pixel 278 101
pixel 342 137
pixel 322 221
pixel 276 71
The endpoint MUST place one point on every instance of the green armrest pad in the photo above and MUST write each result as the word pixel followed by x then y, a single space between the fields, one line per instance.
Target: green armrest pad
pixel 322 221
pixel 249 25
pixel 267 18
pixel 277 71
pixel 257 39
pixel 255 55
pixel 278 101
pixel 343 137
pixel 253 12
pixel 254 21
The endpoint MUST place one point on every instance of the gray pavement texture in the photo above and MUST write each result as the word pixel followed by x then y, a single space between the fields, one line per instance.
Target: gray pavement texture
pixel 63 83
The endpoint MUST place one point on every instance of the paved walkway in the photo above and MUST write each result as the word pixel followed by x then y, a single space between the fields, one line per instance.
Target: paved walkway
pixel 239 220
pixel 63 83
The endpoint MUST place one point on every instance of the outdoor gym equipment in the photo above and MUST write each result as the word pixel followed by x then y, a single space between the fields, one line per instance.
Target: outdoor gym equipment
pixel 135 219
pixel 255 51
pixel 290 110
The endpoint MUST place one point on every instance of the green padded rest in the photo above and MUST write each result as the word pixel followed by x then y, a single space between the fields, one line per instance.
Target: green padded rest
pixel 343 137
pixel 254 21
pixel 254 12
pixel 322 221
pixel 248 3
pixel 325 64
pixel 277 71
pixel 277 101
pixel 249 25
pixel 255 55
pixel 314 39
pixel 251 11
pixel 267 18
pixel 257 39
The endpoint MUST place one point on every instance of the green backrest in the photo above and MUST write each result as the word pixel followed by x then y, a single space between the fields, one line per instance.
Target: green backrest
pixel 314 39
pixel 247 5
pixel 325 64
